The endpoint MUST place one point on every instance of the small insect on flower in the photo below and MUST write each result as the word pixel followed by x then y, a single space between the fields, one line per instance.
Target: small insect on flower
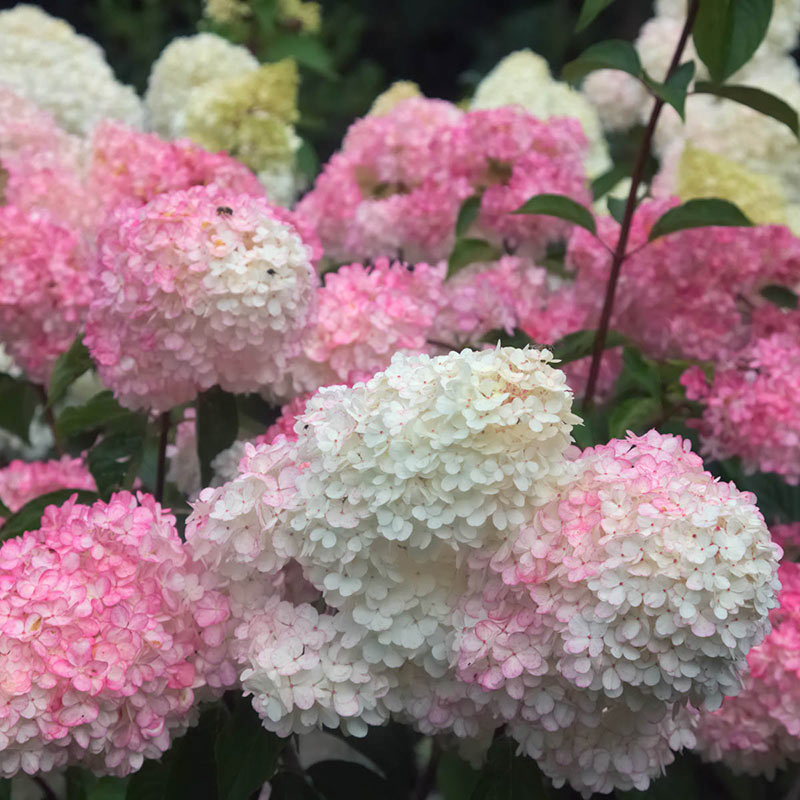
pixel 224 210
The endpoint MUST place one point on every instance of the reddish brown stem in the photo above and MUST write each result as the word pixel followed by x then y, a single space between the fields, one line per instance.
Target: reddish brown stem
pixel 620 254
pixel 161 467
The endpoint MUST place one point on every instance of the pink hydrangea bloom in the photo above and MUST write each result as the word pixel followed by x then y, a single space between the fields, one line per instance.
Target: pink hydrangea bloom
pixel 22 481
pixel 197 288
pixel 108 632
pixel 128 166
pixel 365 314
pixel 45 293
pixel 751 407
pixel 689 294
pixel 758 731
pixel 396 186
pixel 787 535
pixel 284 425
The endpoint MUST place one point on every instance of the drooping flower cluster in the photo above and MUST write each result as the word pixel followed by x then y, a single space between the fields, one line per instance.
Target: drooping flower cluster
pixel 397 184
pixel 43 59
pixel 108 632
pixel 751 406
pixel 197 288
pixel 45 290
pixel 22 481
pixel 757 731
pixel 439 511
pixel 523 79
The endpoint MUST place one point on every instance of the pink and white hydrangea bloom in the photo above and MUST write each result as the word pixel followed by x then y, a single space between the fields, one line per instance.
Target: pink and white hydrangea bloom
pixel 197 288
pixel 109 633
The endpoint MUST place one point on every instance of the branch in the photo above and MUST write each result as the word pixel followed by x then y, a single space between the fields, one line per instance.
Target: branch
pixel 627 219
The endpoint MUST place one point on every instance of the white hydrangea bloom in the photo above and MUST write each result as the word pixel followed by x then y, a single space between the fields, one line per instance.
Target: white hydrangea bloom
pixel 618 97
pixel 523 79
pixel 45 61
pixel 186 63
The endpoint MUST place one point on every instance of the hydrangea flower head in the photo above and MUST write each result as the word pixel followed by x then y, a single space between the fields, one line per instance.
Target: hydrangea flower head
pixel 197 288
pixel 45 293
pixel 107 632
pixel 43 59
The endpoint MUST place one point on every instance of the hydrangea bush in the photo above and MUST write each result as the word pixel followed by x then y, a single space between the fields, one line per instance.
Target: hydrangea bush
pixel 465 466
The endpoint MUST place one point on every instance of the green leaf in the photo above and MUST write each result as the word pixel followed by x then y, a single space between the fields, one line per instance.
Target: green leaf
pixel 29 517
pixel 468 251
pixel 517 338
pixel 69 367
pixel 192 771
pixel 727 32
pixel 217 427
pixel 307 51
pixel 507 776
pixel 115 458
pixel 780 296
pixel 100 410
pixel 675 88
pixel 246 753
pixel 616 207
pixel 455 778
pixel 580 344
pixel 346 780
pixel 18 402
pixel 561 206
pixel 639 374
pixel 635 413
pixel 109 788
pixel 589 12
pixel 5 789
pixel 291 786
pixel 612 54
pixel 306 160
pixel 699 213
pixel 467 214
pixel 602 185
pixel 150 782
pixel 757 99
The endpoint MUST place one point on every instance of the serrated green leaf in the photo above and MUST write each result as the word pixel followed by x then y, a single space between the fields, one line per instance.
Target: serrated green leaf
pixel 470 251
pixel 246 753
pixel 69 367
pixel 115 458
pixel 635 413
pixel 611 54
pixel 346 780
pixel 757 99
pixel 589 12
pixel 97 412
pixel 699 213
pixel 18 402
pixel 579 344
pixel 675 88
pixel 561 206
pixel 616 207
pixel 29 517
pixel 217 427
pixel 780 296
pixel 467 214
pixel 727 32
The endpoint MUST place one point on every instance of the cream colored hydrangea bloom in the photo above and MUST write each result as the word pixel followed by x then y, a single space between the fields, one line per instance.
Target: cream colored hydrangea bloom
pixel 188 63
pixel 225 11
pixel 44 60
pixel 397 92
pixel 523 79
